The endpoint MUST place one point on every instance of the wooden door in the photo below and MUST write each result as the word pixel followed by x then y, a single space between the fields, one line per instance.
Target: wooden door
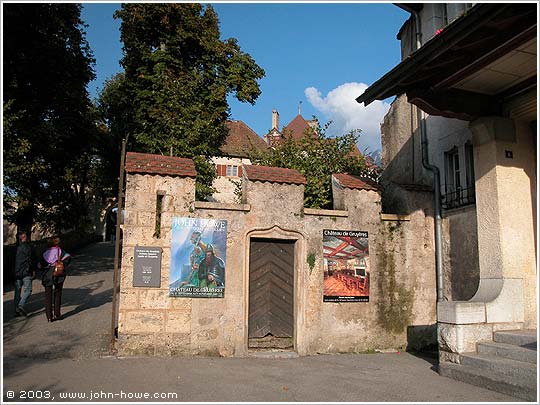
pixel 271 292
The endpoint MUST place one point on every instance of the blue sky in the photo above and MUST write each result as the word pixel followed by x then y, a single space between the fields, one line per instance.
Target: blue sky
pixel 322 55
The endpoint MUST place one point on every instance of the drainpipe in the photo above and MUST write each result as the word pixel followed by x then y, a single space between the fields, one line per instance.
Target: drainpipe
pixel 421 118
pixel 436 202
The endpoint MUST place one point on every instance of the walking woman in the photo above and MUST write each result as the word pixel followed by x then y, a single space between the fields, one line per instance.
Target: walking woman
pixel 53 265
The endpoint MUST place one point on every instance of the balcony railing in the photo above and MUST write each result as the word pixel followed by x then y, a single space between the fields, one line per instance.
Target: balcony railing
pixel 458 198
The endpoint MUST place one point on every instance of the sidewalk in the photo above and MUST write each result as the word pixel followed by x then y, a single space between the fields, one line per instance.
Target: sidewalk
pixel 71 356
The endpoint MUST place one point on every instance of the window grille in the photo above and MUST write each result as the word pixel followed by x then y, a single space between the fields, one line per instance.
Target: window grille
pixel 459 186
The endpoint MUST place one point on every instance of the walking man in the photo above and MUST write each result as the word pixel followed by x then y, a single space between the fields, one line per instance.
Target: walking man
pixel 24 273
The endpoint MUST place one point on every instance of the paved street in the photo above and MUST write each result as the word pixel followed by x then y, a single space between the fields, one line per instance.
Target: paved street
pixel 71 357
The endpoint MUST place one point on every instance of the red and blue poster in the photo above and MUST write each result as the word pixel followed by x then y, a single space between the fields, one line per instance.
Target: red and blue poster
pixel 346 266
pixel 198 258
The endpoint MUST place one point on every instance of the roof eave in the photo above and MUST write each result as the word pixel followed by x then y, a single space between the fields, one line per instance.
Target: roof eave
pixel 410 7
pixel 457 30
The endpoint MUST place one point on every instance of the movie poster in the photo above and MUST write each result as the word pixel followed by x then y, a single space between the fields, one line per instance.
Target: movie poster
pixel 198 257
pixel 346 266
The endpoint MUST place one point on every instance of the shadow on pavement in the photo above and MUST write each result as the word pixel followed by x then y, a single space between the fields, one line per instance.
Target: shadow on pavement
pixel 82 297
pixel 93 259
pixel 431 357
pixel 83 332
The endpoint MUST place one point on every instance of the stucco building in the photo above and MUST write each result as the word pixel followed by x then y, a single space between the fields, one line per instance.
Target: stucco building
pixel 464 124
pixel 239 144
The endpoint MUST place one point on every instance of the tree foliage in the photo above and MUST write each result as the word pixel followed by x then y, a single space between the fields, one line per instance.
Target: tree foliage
pixel 316 156
pixel 48 124
pixel 178 74
pixel 115 120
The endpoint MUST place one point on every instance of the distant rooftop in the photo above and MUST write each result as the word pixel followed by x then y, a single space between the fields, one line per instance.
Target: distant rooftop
pixel 241 140
pixel 298 127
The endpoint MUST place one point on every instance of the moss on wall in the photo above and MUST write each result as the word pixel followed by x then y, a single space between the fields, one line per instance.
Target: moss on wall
pixel 395 301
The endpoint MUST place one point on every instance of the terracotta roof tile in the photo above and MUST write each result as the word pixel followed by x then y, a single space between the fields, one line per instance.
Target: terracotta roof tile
pixel 356 182
pixel 241 140
pixel 158 164
pixel 273 174
pixel 296 128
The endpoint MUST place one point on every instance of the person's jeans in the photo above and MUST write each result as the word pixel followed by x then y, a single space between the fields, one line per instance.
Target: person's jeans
pixel 23 289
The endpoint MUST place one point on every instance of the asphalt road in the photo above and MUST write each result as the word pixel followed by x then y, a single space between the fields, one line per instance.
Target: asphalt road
pixel 70 361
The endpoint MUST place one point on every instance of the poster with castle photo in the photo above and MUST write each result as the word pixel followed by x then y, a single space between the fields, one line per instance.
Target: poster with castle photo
pixel 346 266
pixel 198 258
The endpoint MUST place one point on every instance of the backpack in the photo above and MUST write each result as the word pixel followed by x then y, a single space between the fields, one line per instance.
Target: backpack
pixel 58 266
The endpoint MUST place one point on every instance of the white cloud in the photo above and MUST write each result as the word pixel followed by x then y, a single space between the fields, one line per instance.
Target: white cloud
pixel 340 107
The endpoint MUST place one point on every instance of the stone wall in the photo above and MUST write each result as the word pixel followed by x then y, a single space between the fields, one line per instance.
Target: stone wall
pixel 149 321
pixel 401 308
pixel 401 145
pixel 460 252
pixel 402 163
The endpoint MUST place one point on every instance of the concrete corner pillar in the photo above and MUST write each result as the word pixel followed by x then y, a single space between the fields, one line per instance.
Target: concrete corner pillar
pixel 504 213
pixel 507 257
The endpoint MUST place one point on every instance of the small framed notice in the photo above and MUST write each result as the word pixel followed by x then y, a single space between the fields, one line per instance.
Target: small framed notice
pixel 147 267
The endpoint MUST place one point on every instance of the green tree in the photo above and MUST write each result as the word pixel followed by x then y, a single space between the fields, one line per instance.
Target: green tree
pixel 317 156
pixel 48 124
pixel 115 120
pixel 178 75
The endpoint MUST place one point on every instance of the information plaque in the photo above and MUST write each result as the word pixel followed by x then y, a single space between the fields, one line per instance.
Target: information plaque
pixel 147 267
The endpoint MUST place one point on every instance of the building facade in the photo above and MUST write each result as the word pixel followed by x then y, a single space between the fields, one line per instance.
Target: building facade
pixel 239 144
pixel 464 124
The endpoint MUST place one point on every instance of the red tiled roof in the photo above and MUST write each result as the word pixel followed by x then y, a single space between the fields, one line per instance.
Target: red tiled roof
pixel 241 140
pixel 296 128
pixel 355 182
pixel 273 174
pixel 158 164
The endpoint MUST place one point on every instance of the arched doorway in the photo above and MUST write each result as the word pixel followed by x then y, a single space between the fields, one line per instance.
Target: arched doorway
pixel 274 298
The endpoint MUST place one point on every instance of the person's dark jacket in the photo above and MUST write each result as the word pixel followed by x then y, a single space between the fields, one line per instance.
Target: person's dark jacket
pixel 25 261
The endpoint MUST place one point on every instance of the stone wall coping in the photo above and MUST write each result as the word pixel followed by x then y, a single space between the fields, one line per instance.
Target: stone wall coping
pixel 273 174
pixel 356 182
pixel 145 163
pixel 326 213
pixel 207 205
pixel 395 217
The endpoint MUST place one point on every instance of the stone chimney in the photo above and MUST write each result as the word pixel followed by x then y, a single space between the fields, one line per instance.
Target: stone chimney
pixel 275 119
